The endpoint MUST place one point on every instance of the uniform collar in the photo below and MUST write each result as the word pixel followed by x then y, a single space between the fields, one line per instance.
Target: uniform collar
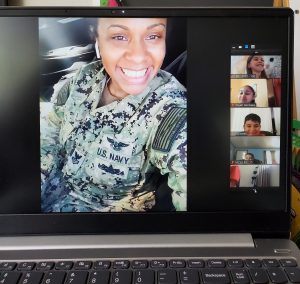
pixel 134 100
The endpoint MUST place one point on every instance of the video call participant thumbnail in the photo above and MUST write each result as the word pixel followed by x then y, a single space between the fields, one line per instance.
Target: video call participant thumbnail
pixel 250 93
pixel 255 121
pixel 256 66
pixel 254 176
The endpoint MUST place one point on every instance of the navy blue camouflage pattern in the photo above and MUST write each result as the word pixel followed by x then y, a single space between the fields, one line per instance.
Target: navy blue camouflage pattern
pixel 103 159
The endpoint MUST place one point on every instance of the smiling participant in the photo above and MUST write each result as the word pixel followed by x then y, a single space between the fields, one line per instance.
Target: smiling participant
pixel 118 128
pixel 252 126
pixel 256 66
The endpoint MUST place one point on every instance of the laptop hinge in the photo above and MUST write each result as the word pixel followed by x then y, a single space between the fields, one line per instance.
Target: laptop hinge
pixel 126 241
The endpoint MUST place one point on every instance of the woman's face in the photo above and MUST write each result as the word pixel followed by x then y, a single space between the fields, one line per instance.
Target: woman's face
pixel 246 95
pixel 257 64
pixel 132 52
pixel 252 128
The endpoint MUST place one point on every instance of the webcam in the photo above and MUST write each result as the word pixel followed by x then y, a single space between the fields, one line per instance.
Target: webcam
pixel 118 12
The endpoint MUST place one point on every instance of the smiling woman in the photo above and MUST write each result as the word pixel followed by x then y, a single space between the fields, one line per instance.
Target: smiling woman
pixel 115 132
pixel 132 52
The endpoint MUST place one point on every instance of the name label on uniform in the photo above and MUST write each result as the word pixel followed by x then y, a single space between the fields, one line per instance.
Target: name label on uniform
pixel 106 154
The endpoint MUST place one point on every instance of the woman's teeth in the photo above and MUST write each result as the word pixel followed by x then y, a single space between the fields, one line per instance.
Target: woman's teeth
pixel 133 73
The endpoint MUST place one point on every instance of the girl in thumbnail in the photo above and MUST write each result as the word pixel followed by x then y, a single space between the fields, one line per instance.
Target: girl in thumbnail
pixel 247 95
pixel 256 66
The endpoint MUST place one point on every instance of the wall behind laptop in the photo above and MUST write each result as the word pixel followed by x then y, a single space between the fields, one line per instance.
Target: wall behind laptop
pixel 295 5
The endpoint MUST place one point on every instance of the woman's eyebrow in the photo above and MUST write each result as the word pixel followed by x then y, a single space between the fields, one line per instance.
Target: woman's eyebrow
pixel 126 28
pixel 156 25
pixel 118 26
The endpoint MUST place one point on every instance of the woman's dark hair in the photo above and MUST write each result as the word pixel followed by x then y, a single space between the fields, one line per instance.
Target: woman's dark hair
pixel 263 74
pixel 253 117
pixel 92 24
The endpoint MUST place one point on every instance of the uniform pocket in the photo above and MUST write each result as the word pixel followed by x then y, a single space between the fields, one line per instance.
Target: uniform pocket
pixel 135 166
pixel 74 162
pixel 113 164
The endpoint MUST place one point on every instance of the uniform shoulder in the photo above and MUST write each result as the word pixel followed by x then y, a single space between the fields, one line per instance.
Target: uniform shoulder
pixel 170 89
pixel 171 84
pixel 79 79
pixel 87 72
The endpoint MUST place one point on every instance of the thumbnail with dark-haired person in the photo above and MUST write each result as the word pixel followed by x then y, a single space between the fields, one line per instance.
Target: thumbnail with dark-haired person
pixel 256 66
pixel 252 126
pixel 250 159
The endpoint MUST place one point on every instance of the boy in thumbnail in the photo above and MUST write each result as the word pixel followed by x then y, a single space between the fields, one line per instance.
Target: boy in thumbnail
pixel 250 159
pixel 252 126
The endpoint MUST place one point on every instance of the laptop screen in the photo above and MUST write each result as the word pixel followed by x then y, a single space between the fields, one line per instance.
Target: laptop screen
pixel 150 113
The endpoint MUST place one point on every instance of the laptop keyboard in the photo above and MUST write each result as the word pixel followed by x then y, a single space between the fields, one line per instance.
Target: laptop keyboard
pixel 176 271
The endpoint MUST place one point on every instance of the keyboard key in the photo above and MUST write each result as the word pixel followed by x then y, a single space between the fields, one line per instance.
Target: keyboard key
pixel 76 277
pixel 64 265
pixel 10 277
pixel 144 277
pixel 277 275
pixel 259 276
pixel 105 264
pixel 158 263
pixel 7 266
pixel 293 274
pixel 189 276
pixel 26 266
pixel 44 266
pixel 82 265
pixel 216 263
pixel 288 262
pixel 32 277
pixel 215 276
pixel 54 277
pixel 139 264
pixel 235 263
pixel 167 276
pixel 121 264
pixel 177 263
pixel 99 277
pixel 196 263
pixel 271 263
pixel 240 276
pixel 121 277
pixel 253 263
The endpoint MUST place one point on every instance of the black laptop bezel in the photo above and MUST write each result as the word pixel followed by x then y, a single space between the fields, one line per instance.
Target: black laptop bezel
pixel 263 223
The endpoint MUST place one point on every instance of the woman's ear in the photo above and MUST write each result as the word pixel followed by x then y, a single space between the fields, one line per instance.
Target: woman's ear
pixel 97 50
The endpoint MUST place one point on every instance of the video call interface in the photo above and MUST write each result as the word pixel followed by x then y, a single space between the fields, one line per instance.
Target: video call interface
pixel 141 115
pixel 255 101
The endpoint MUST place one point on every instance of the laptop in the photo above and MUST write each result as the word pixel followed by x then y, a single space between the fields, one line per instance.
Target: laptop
pixel 146 146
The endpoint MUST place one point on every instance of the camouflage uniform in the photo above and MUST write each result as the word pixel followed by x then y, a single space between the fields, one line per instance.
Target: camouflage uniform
pixel 107 158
